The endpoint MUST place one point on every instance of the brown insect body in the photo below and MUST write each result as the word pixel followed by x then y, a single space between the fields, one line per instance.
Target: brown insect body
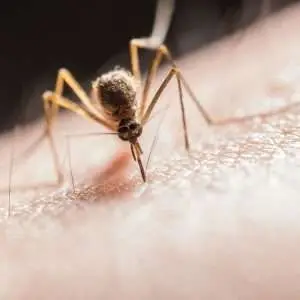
pixel 113 97
pixel 113 102
pixel 115 91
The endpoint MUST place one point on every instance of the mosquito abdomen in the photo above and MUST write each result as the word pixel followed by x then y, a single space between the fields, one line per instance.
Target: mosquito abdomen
pixel 116 92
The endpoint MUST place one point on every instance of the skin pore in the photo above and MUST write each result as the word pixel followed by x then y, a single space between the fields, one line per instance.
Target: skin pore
pixel 222 223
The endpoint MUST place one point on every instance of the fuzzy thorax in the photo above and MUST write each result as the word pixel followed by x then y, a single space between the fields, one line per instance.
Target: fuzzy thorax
pixel 116 93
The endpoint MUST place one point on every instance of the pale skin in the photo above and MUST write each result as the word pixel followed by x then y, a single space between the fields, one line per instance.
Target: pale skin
pixel 221 224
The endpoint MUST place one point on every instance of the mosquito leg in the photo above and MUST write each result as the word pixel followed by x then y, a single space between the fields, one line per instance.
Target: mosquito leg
pixel 135 65
pixel 88 109
pixel 51 98
pixel 156 97
pixel 161 51
pixel 200 108
pixel 65 76
pixel 183 115
pixel 50 114
pixel 204 113
pixel 163 17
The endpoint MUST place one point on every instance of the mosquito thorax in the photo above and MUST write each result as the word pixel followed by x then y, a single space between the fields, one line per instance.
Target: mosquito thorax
pixel 117 93
pixel 129 130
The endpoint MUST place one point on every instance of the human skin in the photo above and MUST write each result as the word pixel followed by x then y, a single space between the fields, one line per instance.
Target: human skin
pixel 222 223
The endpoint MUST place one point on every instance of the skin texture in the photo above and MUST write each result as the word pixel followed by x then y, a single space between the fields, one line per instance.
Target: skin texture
pixel 222 223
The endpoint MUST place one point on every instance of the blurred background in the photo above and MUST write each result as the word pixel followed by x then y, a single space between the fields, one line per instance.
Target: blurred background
pixel 38 37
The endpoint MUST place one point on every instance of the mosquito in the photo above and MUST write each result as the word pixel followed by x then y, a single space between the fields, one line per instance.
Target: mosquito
pixel 112 101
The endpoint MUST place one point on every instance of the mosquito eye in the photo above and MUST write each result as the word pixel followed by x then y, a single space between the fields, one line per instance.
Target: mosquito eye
pixel 133 126
pixel 123 129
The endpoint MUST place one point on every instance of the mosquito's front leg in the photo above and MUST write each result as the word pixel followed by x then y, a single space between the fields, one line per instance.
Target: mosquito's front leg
pixel 54 100
pixel 146 43
pixel 50 113
pixel 50 99
pixel 64 76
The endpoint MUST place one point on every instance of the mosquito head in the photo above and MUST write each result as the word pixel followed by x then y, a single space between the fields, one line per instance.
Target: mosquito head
pixel 116 92
pixel 129 130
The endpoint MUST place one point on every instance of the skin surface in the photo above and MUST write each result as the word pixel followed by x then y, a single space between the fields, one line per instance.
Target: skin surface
pixel 222 223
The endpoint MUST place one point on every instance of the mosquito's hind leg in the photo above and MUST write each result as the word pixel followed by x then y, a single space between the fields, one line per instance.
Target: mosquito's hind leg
pixel 173 72
pixel 209 120
pixel 180 78
pixel 161 51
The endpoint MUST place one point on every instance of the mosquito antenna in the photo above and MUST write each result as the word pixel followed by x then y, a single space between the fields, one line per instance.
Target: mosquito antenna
pixel 154 142
pixel 162 21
